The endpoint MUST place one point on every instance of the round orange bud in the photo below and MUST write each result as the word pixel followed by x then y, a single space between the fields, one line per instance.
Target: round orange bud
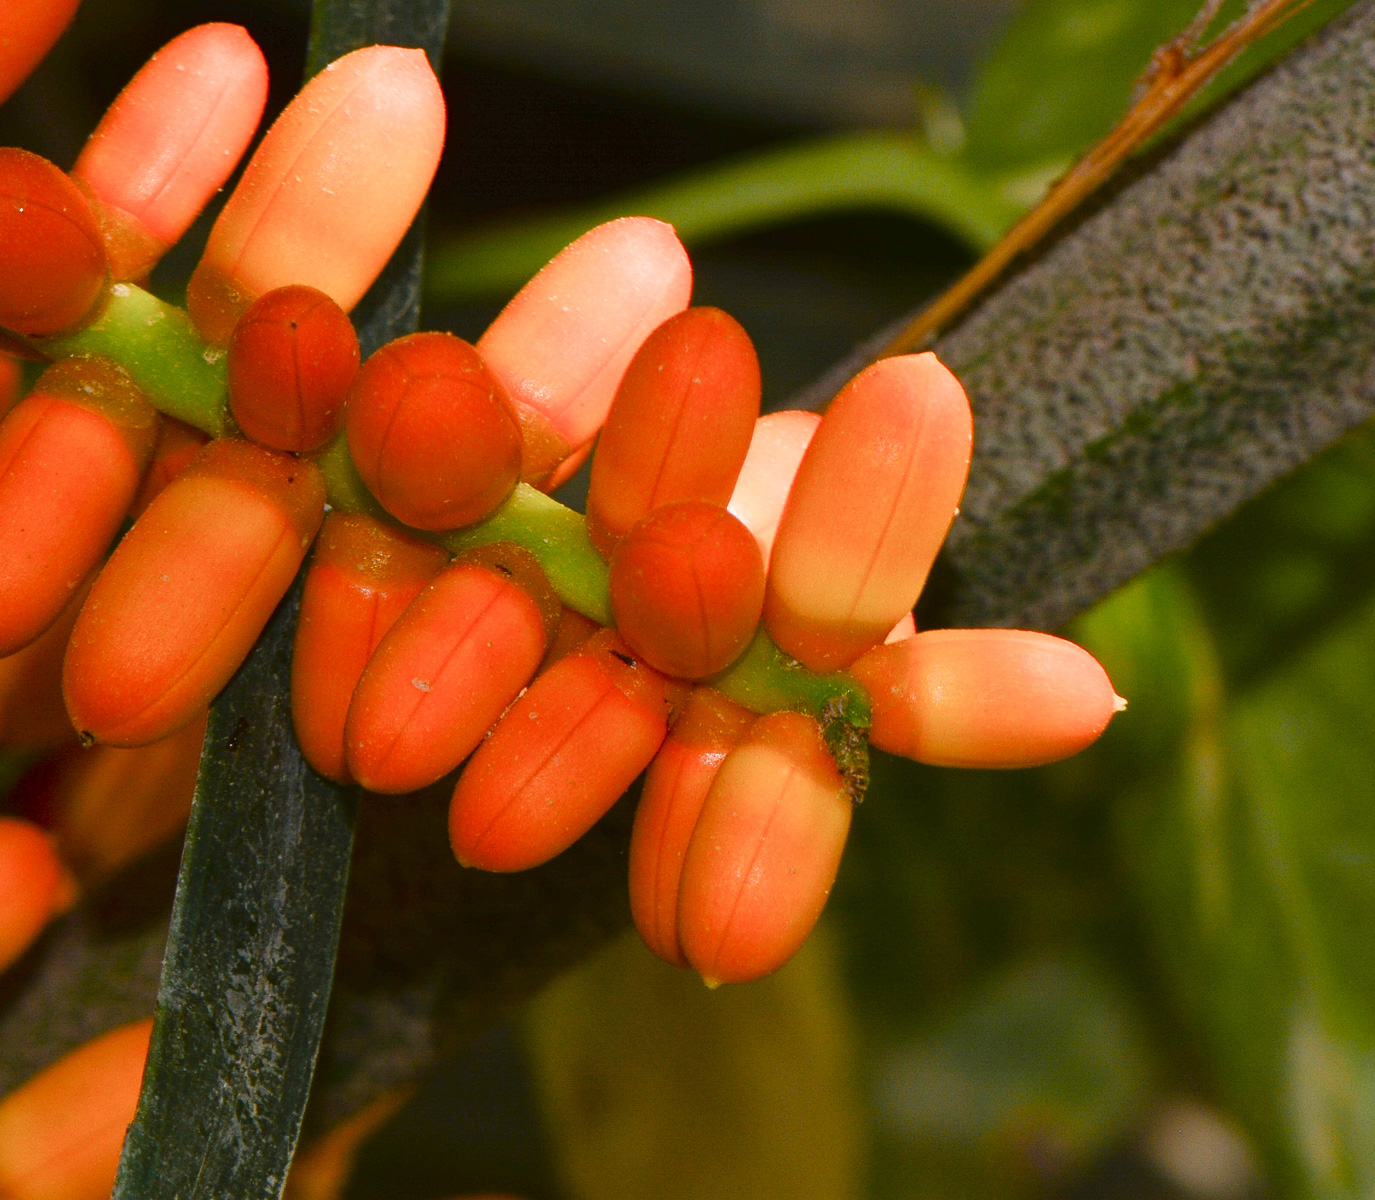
pixel 52 259
pixel 292 359
pixel 687 588
pixel 432 432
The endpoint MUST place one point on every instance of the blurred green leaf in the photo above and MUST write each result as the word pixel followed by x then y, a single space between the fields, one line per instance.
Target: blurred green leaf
pixel 1252 846
pixel 882 171
pixel 656 1088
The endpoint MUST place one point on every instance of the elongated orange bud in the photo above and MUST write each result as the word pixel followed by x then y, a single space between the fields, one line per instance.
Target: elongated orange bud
pixel 33 715
pixel 171 139
pixel 28 29
pixel 687 588
pixel 776 448
pixel 176 449
pixel 986 697
pixel 11 383
pixel 433 433
pixel 70 458
pixel 331 190
pixel 764 853
pixel 61 1133
pixel 559 758
pixel 52 259
pixel 573 630
pixel 675 789
pixel 680 425
pixel 441 677
pixel 870 506
pixel 30 886
pixel 292 358
pixel 113 805
pixel 362 577
pixel 562 345
pixel 188 590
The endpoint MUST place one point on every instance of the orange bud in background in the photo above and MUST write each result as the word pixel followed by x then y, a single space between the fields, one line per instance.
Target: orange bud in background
pixel 71 454
pixel 433 433
pixel 680 425
pixel 31 887
pixel 28 29
pixel 563 344
pixel 573 630
pixel 687 588
pixel 559 759
pixel 331 190
pixel 177 447
pixel 188 590
pixel 777 445
pixel 441 677
pixel 362 576
pixel 986 697
pixel 765 851
pixel 292 359
pixel 11 383
pixel 675 789
pixel 113 805
pixel 33 714
pixel 61 1133
pixel 52 258
pixel 871 504
pixel 171 139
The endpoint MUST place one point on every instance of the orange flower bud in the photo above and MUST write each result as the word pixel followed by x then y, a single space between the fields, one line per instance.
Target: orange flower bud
pixel 31 886
pixel 113 805
pixel 675 789
pixel 33 715
pixel 362 577
pixel 776 448
pixel 171 139
pixel 11 383
pixel 28 29
pixel 559 758
pixel 433 433
pixel 680 425
pixel 61 1133
pixel 177 447
pixel 687 588
pixel 764 853
pixel 562 345
pixel 330 192
pixel 573 630
pixel 871 504
pixel 292 359
pixel 70 458
pixel 188 590
pixel 985 697
pixel 442 677
pixel 52 259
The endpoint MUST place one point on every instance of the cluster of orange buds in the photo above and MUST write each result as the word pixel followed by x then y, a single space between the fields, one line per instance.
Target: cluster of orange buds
pixel 733 616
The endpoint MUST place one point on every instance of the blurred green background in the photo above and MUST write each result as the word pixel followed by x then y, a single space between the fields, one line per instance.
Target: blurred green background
pixel 1141 973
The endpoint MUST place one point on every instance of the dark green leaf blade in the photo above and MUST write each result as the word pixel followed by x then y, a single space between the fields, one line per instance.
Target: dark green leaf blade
pixel 250 952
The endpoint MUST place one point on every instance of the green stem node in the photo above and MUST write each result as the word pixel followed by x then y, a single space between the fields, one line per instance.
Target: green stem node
pixel 158 346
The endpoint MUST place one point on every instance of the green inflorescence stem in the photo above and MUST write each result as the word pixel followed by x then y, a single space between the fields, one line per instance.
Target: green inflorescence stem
pixel 186 378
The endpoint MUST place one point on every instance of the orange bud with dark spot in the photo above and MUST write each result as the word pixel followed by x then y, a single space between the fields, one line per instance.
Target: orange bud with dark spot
pixel 292 358
pixel 687 588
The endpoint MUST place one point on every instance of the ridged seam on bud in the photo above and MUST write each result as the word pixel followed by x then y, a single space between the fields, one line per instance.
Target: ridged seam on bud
pixel 330 192
pixel 871 504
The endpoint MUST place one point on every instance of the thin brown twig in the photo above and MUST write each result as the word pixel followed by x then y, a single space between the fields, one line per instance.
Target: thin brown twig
pixel 1176 72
